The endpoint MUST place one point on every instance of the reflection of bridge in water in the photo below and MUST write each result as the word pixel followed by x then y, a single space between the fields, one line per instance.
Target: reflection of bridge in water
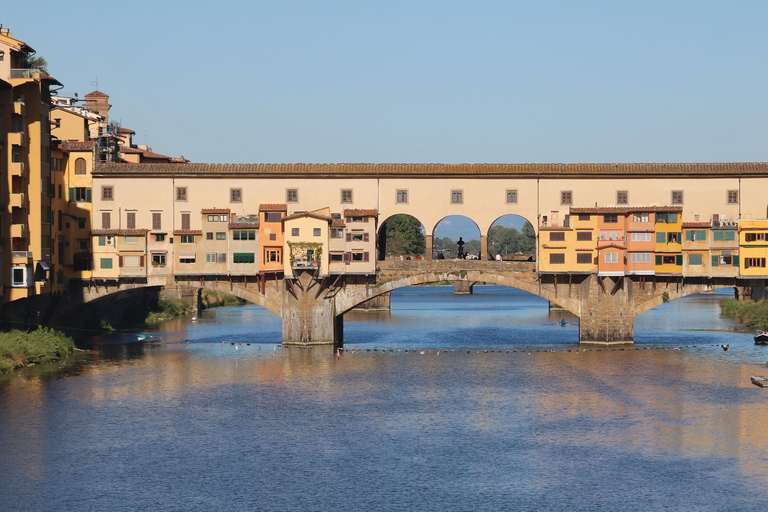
pixel 312 308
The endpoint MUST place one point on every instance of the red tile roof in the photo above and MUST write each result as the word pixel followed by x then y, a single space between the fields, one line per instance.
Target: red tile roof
pixel 271 207
pixel 625 209
pixel 338 223
pixel 696 224
pixel 215 210
pixel 605 169
pixel 360 213
pixel 314 215
pixel 72 145
pixel 119 232
pixel 187 232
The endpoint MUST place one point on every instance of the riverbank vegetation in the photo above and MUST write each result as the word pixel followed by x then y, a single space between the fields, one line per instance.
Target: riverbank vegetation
pixel 214 299
pixel 749 313
pixel 172 308
pixel 168 309
pixel 20 348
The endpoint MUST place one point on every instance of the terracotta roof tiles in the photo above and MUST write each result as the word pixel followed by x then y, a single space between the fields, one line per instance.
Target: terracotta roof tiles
pixel 363 169
pixel 215 210
pixel 119 232
pixel 72 145
pixel 307 214
pixel 360 213
pixel 624 209
pixel 272 207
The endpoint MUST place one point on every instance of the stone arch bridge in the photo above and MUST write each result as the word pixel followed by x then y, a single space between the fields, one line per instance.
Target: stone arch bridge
pixel 313 308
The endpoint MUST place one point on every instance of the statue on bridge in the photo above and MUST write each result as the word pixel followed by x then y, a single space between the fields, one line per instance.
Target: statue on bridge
pixel 461 252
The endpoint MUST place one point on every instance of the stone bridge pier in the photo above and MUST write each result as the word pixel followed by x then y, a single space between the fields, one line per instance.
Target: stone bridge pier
pixel 309 315
pixel 606 311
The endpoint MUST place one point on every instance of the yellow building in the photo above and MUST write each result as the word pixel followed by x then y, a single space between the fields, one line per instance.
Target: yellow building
pixel 669 246
pixel 571 247
pixel 696 256
pixel 724 248
pixel 26 155
pixel 306 242
pixel 753 248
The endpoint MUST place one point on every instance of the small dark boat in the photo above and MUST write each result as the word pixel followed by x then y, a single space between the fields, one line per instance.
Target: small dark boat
pixel 760 380
pixel 761 338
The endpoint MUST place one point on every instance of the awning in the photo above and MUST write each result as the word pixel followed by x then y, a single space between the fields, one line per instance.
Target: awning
pixel 43 265
pixel 186 254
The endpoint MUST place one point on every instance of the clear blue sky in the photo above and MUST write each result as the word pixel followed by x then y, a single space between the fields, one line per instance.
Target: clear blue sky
pixel 419 81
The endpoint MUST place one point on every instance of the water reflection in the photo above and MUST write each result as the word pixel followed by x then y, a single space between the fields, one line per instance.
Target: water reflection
pixel 447 403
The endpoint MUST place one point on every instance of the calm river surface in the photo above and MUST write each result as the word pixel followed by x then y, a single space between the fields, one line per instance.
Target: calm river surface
pixel 502 411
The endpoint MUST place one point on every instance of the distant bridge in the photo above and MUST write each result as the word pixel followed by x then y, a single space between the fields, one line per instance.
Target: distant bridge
pixel 312 309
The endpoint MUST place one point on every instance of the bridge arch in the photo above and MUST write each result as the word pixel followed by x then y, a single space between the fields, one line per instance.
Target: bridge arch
pixel 501 238
pixel 674 294
pixel 346 301
pixel 455 227
pixel 409 227
pixel 243 289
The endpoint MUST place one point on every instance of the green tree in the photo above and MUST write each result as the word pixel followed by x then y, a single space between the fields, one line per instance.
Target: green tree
pixel 38 62
pixel 412 233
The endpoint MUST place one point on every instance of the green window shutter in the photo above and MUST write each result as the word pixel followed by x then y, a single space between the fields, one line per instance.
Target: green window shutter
pixel 88 195
pixel 718 236
pixel 71 195
pixel 102 240
pixel 715 260
pixel 689 234
pixel 661 237
pixel 658 259
pixel 730 235
pixel 735 260
pixel 679 259
pixel 701 235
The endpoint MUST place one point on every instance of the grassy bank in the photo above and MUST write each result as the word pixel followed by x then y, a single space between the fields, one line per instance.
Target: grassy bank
pixel 20 348
pixel 214 299
pixel 168 309
pixel 751 314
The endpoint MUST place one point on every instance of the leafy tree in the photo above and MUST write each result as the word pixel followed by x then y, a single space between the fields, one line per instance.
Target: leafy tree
pixel 412 235
pixel 510 240
pixel 38 62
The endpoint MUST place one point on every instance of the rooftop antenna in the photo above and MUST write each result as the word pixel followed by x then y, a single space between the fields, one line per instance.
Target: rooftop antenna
pixel 96 83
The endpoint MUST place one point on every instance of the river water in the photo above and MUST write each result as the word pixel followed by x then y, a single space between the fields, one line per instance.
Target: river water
pixel 482 402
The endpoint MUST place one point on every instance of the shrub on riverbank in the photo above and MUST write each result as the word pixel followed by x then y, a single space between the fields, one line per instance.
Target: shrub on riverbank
pixel 168 309
pixel 20 348
pixel 213 299
pixel 751 314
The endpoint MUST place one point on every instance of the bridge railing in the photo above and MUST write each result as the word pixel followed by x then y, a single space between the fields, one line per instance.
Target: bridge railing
pixel 455 265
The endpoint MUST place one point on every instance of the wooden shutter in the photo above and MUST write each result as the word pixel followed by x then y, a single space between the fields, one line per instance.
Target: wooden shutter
pixel 119 261
pixel 141 260
pixel 365 219
pixel 658 259
pixel 347 257
pixel 715 261
pixel 349 237
pixel 678 259
pixel 735 260
pixel 365 238
pixel 71 194
pixel 365 256
pixel 349 219
pixel 88 195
